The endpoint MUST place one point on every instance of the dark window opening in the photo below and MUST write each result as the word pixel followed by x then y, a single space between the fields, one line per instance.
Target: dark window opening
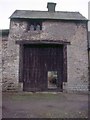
pixel 34 26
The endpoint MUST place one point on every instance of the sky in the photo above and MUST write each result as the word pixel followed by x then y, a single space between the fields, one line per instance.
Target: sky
pixel 7 7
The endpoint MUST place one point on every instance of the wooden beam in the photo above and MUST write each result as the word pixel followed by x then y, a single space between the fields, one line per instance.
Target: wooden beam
pixel 42 42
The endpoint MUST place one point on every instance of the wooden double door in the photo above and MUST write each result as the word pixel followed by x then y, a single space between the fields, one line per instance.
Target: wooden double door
pixel 42 67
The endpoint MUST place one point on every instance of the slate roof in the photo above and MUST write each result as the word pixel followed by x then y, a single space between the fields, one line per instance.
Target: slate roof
pixel 58 15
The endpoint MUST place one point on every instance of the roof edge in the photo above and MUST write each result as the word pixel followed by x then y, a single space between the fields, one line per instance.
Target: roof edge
pixel 4 32
pixel 12 16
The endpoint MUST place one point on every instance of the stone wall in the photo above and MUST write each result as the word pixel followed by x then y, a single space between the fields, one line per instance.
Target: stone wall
pixel 77 55
pixel 1 62
pixel 1 74
pixel 77 60
pixel 9 65
pixel 4 60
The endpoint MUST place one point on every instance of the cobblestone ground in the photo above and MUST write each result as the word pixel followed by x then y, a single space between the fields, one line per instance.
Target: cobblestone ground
pixel 44 105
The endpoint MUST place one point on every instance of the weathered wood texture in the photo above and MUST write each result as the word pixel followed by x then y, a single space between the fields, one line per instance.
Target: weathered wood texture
pixel 38 60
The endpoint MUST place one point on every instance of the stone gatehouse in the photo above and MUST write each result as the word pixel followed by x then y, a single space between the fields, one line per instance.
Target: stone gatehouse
pixel 45 51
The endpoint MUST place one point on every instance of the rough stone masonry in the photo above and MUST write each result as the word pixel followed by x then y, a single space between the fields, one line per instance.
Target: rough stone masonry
pixel 73 31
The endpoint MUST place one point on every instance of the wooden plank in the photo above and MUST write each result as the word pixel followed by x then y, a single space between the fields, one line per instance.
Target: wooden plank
pixel 38 60
pixel 43 42
pixel 65 63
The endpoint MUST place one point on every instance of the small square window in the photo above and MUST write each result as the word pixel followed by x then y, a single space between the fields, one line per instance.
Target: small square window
pixel 34 26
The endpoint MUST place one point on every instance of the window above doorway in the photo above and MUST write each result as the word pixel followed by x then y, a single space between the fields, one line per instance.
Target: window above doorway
pixel 34 25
